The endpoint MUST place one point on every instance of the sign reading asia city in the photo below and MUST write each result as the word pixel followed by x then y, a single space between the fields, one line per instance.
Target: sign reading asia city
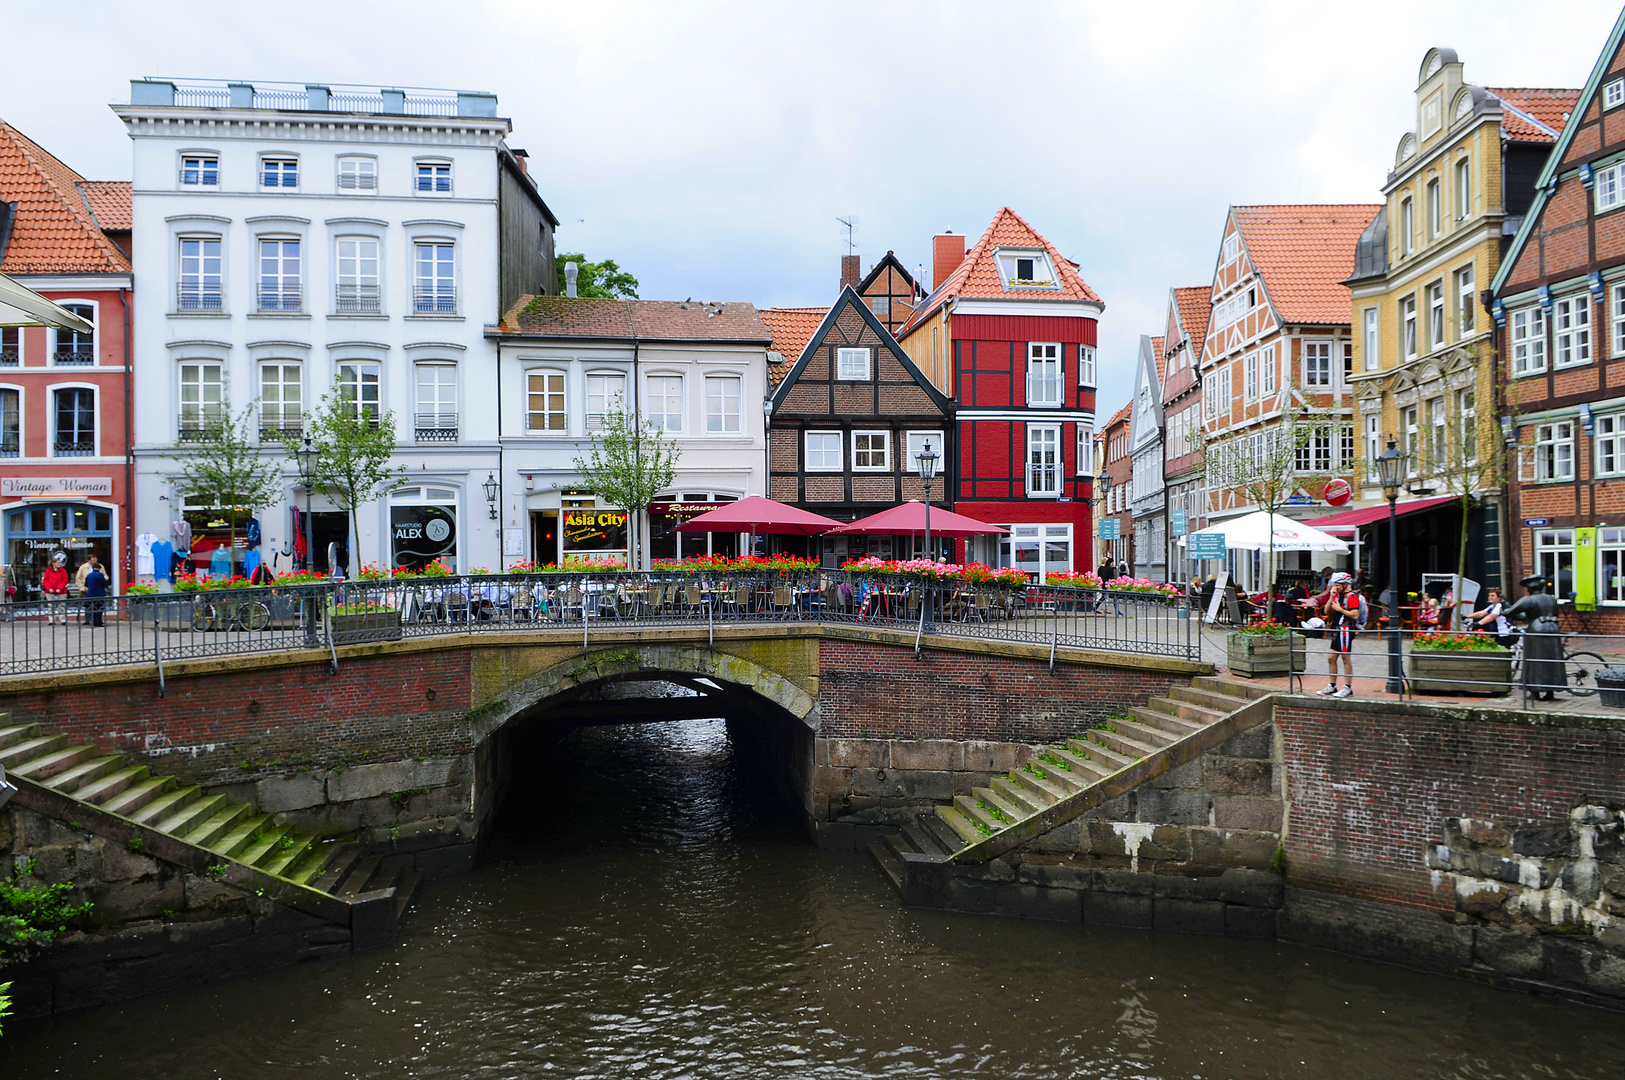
pixel 594 530
pixel 22 487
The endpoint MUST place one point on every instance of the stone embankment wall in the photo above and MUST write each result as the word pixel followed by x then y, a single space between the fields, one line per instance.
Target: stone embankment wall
pixel 159 923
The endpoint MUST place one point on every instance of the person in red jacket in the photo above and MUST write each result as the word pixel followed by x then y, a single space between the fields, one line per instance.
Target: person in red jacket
pixel 54 584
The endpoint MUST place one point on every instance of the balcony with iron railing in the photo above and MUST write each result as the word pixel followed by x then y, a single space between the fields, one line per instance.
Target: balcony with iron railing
pixel 9 445
pixel 198 425
pixel 280 298
pixel 358 181
pixel 311 97
pixel 436 300
pixel 1043 389
pixel 281 427
pixel 435 427
pixel 199 298
pixel 358 300
pixel 82 355
pixel 61 447
pixel 8 357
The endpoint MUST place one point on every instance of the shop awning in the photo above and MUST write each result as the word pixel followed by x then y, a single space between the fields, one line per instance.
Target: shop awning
pixel 910 518
pixel 1349 520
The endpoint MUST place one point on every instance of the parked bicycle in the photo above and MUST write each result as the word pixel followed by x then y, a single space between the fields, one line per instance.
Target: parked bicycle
pixel 225 614
pixel 1579 667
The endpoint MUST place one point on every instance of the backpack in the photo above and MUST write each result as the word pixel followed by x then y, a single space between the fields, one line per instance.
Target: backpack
pixel 1364 613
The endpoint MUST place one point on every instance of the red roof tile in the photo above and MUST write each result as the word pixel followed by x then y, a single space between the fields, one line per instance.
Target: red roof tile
pixel 1195 308
pixel 978 274
pixel 1534 115
pixel 648 320
pixel 792 329
pixel 1304 254
pixel 54 232
pixel 1118 417
pixel 110 203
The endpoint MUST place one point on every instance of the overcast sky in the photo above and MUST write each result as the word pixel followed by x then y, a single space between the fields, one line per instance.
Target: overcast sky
pixel 709 148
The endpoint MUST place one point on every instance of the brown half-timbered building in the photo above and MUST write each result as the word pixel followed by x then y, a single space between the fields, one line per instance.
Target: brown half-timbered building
pixel 846 422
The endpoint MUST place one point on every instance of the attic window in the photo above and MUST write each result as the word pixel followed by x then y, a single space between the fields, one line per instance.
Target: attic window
pixel 1026 270
pixel 1613 95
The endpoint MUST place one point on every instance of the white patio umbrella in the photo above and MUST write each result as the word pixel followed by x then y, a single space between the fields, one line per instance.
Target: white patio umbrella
pixel 1261 531
pixel 22 306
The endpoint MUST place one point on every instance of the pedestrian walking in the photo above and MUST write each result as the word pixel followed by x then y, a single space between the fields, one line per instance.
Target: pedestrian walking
pixel 1342 619
pixel 79 584
pixel 54 584
pixel 95 593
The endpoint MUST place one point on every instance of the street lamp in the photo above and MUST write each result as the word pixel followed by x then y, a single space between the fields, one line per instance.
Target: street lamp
pixel 490 487
pixel 1103 484
pixel 1391 471
pixel 926 459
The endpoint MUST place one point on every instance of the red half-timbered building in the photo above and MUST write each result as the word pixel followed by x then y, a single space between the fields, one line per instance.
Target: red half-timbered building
pixel 1009 333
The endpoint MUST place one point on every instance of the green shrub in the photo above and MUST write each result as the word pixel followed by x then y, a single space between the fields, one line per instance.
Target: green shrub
pixel 33 917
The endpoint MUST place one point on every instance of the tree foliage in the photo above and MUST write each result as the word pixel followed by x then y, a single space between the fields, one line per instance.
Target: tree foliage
pixel 354 447
pixel 31 917
pixel 629 463
pixel 600 279
pixel 227 469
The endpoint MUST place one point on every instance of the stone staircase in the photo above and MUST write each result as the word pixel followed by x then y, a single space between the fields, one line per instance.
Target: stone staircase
pixel 1072 777
pixel 224 829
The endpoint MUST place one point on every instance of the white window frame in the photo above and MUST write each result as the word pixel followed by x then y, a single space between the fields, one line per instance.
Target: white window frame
pixel 1231 249
pixel 51 393
pixel 19 396
pixel 1466 413
pixel 1410 332
pixel 1438 434
pixel 555 390
pixel 1616 312
pixel 818 457
pixel 914 441
pixel 1045 373
pixel 1412 442
pixel 434 294
pixel 282 161
pixel 277 289
pixel 1318 354
pixel 1466 302
pixel 1526 327
pixel 854 364
pixel 1249 377
pixel 1609 441
pixel 355 384
pixel 206 291
pixel 1266 370
pixel 442 412
pixel 1373 445
pixel 1435 208
pixel 438 187
pixel 1554 557
pixel 1613 94
pixel 866 442
pixel 1373 338
pixel 273 412
pixel 1611 553
pixel 1608 186
pixel 658 405
pixel 1407 217
pixel 1436 314
pixel 1210 395
pixel 1554 452
pixel 356 291
pixel 1464 188
pixel 606 393
pixel 203 161
pixel 69 341
pixel 200 412
pixel 1086 365
pixel 1571 331
pixel 362 176
pixel 718 420
pixel 1043 439
pixel 1084 464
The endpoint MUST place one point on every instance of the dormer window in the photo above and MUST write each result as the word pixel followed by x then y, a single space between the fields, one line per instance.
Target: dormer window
pixel 1613 95
pixel 1232 248
pixel 200 170
pixel 1026 270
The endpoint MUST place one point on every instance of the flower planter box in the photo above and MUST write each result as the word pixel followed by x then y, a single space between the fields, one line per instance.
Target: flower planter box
pixel 367 626
pixel 1441 671
pixel 1255 655
pixel 174 611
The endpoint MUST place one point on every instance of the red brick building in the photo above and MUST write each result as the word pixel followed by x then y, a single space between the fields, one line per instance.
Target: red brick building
pixel 1559 308
pixel 1186 333
pixel 1009 334
pixel 64 397
pixel 1118 464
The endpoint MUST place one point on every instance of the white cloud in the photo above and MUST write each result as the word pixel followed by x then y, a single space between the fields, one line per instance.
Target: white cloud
pixel 710 147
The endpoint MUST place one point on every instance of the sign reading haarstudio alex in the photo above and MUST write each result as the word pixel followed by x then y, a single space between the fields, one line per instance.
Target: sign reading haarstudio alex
pixel 19 487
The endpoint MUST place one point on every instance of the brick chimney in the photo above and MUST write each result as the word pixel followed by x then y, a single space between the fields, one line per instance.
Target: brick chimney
pixel 850 272
pixel 947 252
pixel 523 158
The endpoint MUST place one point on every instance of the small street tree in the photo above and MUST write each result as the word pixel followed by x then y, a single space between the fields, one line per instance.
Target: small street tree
pixel 226 468
pixel 629 463
pixel 1463 452
pixel 599 279
pixel 354 444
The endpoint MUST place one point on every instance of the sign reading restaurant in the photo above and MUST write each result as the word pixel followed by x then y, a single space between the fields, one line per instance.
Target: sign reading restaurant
pixel 21 487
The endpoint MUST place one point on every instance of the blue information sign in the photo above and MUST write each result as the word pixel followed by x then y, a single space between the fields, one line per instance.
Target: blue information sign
pixel 1205 545
pixel 1108 529
pixel 1176 521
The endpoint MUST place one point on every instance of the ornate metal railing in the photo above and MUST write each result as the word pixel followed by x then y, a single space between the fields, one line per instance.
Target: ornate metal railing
pixel 89 633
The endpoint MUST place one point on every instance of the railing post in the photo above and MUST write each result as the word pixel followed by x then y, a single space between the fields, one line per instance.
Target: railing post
pixel 584 584
pixel 1054 632
pixel 158 643
pixel 710 616
pixel 925 600
pixel 327 624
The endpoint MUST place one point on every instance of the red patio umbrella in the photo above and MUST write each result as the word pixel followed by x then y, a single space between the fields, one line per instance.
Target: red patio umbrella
pixel 910 518
pixel 758 515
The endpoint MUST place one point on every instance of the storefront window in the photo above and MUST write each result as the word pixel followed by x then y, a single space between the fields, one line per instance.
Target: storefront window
pixel 1611 565
pixel 671 510
pixel 422 527
pixel 34 533
pixel 218 545
pixel 1038 550
pixel 599 530
pixel 1554 560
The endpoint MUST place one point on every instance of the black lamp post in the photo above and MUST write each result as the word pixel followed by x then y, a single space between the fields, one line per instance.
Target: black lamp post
pixel 1103 484
pixel 1391 471
pixel 307 457
pixel 926 459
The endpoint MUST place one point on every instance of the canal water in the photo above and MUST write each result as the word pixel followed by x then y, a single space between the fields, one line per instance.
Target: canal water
pixel 649 911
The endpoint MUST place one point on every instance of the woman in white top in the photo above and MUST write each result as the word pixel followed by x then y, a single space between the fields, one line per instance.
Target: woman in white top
pixel 1492 621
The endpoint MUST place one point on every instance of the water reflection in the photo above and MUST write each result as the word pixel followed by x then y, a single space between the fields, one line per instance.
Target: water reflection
pixel 649 911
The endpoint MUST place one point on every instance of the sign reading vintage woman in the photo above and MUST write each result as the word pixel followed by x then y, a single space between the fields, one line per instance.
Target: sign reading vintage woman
pixel 422 534
pixel 589 529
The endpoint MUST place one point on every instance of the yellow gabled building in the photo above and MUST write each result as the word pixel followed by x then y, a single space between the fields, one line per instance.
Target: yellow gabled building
pixel 1424 366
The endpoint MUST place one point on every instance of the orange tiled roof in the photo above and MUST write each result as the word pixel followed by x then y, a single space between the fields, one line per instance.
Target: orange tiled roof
pixel 1304 254
pixel 110 203
pixel 650 320
pixel 1118 417
pixel 1156 353
pixel 1535 115
pixel 54 232
pixel 1195 308
pixel 978 274
pixel 792 329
